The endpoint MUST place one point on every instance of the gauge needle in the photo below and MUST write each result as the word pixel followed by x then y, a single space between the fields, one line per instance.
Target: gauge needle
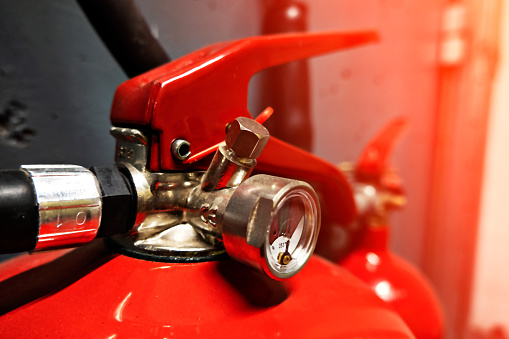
pixel 297 234
pixel 284 219
pixel 287 215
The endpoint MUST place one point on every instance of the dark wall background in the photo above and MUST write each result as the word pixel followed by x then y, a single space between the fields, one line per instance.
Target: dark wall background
pixel 60 80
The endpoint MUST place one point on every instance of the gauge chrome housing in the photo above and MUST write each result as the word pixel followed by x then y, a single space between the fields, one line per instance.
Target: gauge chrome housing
pixel 272 224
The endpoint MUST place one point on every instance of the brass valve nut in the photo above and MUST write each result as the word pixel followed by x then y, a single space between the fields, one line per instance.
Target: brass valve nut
pixel 247 138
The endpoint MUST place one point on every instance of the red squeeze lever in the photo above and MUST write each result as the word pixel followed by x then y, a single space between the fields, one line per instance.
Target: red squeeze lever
pixel 195 97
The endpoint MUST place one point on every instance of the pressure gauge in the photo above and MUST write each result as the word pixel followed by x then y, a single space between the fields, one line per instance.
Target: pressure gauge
pixel 272 224
pixel 291 237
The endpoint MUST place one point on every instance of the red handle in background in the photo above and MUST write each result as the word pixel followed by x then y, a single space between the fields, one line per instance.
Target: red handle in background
pixel 372 165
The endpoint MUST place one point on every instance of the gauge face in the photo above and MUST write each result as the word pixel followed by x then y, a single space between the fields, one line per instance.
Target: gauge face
pixel 292 235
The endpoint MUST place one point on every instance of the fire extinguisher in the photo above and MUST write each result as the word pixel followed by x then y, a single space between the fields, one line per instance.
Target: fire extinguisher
pixel 187 242
pixel 378 190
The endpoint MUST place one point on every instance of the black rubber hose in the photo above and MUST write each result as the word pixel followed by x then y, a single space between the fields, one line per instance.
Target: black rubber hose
pixel 122 28
pixel 19 209
pixel 19 212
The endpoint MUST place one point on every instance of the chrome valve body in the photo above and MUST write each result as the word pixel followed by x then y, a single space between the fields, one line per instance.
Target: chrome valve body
pixel 201 212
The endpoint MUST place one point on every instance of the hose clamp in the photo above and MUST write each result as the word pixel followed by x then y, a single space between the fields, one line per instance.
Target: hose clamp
pixel 69 201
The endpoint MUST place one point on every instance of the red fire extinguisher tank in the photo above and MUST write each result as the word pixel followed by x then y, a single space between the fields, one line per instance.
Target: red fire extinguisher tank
pixel 94 292
pixel 398 283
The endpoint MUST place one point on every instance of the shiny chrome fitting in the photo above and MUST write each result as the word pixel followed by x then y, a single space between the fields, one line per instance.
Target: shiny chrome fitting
pixel 266 222
pixel 131 147
pixel 69 200
pixel 235 159
pixel 226 170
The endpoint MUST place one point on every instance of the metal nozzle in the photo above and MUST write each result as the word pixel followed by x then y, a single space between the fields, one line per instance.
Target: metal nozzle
pixel 247 138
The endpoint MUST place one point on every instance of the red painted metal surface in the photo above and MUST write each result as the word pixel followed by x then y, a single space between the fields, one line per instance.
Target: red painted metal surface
pixel 94 293
pixel 398 283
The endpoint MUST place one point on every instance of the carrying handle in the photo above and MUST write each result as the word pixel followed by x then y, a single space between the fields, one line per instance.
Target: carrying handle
pixel 194 97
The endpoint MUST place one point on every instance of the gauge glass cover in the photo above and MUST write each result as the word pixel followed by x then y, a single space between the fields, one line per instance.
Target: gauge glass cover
pixel 292 235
